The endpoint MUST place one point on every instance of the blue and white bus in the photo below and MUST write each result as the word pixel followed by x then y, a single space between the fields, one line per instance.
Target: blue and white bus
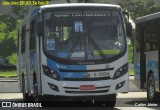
pixel 73 50
pixel 146 55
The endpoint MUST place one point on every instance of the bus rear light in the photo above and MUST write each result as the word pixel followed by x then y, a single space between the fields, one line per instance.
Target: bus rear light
pixel 118 86
pixel 121 71
pixel 53 87
pixel 50 73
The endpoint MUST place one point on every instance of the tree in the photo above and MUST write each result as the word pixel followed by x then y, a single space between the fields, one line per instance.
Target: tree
pixel 138 8
pixel 19 11
pixel 10 23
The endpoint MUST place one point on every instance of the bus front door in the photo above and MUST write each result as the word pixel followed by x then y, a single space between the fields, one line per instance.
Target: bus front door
pixel 142 59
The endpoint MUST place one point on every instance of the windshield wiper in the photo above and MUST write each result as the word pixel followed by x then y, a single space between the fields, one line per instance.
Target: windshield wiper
pixel 97 47
pixel 74 46
pixel 72 49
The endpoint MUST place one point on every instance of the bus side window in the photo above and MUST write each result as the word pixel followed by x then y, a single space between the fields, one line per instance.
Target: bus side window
pixel 23 39
pixel 32 43
pixel 151 37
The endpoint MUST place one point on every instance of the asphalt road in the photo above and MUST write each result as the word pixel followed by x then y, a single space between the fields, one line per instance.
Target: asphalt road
pixel 129 101
pixel 135 99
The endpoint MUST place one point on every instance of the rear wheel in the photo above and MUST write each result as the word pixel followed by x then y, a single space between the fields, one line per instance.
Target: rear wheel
pixel 151 94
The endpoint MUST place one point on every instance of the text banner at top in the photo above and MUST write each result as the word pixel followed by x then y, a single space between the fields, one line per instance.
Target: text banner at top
pixel 24 2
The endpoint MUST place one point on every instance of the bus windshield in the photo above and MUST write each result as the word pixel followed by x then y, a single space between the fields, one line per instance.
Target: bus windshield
pixel 83 35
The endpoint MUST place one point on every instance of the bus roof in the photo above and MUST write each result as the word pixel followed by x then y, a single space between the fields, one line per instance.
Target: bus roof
pixel 69 5
pixel 79 5
pixel 147 17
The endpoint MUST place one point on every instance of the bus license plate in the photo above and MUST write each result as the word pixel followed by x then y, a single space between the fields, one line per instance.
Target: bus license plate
pixel 87 87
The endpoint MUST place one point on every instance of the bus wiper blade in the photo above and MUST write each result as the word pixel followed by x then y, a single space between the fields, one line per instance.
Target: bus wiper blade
pixel 72 49
pixel 97 47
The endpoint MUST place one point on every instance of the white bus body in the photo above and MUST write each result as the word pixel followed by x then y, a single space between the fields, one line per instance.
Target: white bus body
pixel 73 50
pixel 146 55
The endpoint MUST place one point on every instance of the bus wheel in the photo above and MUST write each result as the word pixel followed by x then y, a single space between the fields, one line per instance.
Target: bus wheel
pixel 107 101
pixel 111 100
pixel 36 97
pixel 25 95
pixel 151 94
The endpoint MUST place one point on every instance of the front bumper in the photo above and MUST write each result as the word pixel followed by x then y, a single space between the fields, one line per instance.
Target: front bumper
pixel 72 88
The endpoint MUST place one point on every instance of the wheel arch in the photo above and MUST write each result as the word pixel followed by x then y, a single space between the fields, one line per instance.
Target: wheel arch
pixel 149 73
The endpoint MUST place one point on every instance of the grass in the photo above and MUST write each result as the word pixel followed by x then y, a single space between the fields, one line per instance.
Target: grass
pixel 131 72
pixel 8 73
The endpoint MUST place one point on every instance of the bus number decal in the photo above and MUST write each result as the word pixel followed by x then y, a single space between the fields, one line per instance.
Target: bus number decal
pixel 102 74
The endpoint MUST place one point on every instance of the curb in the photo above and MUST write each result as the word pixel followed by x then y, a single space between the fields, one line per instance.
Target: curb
pixel 8 80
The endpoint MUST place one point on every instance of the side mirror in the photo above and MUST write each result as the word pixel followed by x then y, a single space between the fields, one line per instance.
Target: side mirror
pixel 126 14
pixel 129 29
pixel 39 29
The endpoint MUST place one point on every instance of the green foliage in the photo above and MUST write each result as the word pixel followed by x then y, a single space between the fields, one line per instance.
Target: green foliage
pixel 3 27
pixel 7 23
pixel 8 38
pixel 131 71
pixel 8 73
pixel 19 11
pixel 130 53
pixel 12 58
pixel 138 8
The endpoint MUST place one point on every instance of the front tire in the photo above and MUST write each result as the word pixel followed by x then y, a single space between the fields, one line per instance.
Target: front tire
pixel 25 95
pixel 111 100
pixel 107 101
pixel 35 95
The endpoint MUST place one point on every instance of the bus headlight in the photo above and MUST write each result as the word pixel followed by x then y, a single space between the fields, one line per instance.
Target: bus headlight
pixel 50 73
pixel 121 71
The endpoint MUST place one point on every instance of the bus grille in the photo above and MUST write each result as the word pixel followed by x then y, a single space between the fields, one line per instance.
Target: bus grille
pixel 86 79
pixel 81 92
pixel 76 90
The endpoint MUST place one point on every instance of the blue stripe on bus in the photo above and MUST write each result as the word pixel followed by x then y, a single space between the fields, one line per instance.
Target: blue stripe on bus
pixel 54 65
pixel 150 65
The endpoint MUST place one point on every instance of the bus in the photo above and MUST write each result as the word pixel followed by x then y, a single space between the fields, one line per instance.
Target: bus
pixel 74 50
pixel 146 55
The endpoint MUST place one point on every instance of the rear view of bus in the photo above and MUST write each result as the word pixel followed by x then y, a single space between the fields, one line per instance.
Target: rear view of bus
pixel 83 52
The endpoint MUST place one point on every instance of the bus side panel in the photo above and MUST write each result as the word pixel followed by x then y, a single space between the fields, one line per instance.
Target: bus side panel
pixel 34 54
pixel 137 70
pixel 23 56
pixel 137 60
pixel 27 56
pixel 152 66
pixel 19 63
